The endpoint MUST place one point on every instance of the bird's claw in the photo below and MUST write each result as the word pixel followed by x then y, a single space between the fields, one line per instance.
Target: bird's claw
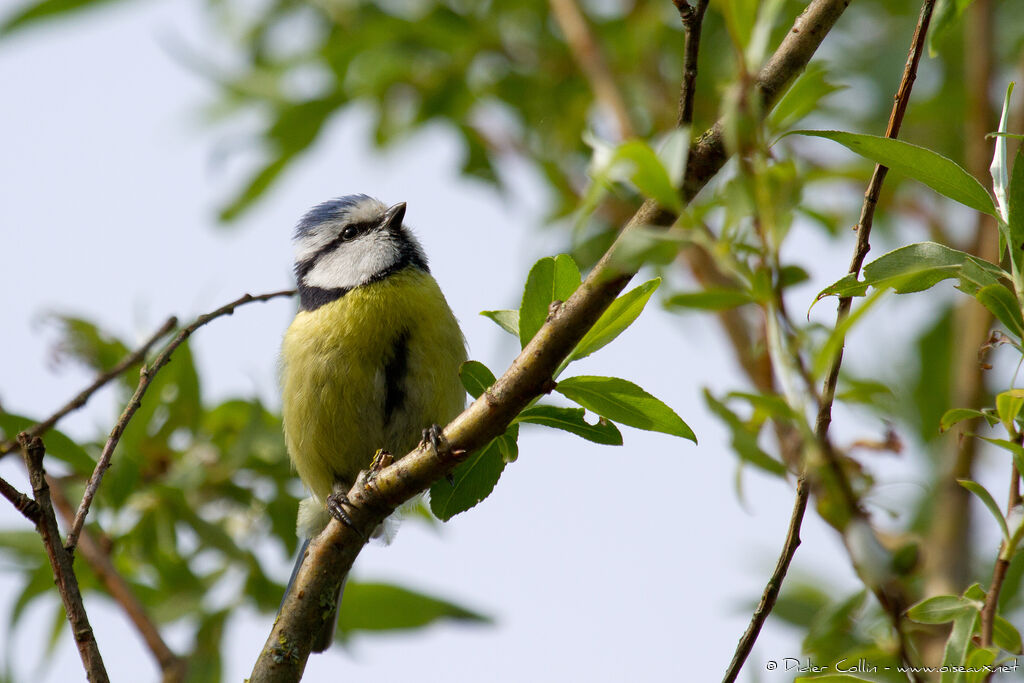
pixel 336 503
pixel 433 436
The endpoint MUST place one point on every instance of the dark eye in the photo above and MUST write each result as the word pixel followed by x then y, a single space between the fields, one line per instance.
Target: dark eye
pixel 349 232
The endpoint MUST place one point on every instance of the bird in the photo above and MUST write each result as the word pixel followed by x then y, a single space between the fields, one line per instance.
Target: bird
pixel 370 363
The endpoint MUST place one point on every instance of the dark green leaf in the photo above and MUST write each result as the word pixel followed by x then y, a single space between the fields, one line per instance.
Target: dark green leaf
pixel 618 316
pixel 624 402
pixel 1001 302
pixel 472 481
pixel 1015 201
pixel 572 420
pixel 710 299
pixel 550 279
pixel 931 168
pixel 476 377
pixel 381 607
pixel 32 13
pixel 744 438
pixel 1006 635
pixel 206 661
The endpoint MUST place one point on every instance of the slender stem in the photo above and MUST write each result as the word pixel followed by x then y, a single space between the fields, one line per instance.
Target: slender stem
pixel 102 379
pixel 693 19
pixel 20 501
pixel 61 561
pixel 590 59
pixel 172 666
pixel 774 585
pixel 147 375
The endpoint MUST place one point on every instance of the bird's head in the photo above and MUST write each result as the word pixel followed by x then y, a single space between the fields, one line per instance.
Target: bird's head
pixel 351 241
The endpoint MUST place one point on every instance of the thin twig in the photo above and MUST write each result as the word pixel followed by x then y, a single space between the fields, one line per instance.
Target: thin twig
pixel 592 63
pixel 693 19
pixel 78 401
pixel 147 375
pixel 991 607
pixel 774 585
pixel 172 666
pixel 331 554
pixel 61 562
pixel 20 501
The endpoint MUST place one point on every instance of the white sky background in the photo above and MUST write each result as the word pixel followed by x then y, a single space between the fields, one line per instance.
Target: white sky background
pixel 597 563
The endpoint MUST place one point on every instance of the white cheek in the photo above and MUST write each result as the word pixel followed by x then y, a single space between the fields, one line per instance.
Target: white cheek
pixel 354 263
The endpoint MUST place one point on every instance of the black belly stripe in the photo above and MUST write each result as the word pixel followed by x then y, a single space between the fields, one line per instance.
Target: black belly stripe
pixel 395 371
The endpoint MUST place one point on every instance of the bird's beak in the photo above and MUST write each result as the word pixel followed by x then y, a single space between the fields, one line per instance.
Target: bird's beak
pixel 393 217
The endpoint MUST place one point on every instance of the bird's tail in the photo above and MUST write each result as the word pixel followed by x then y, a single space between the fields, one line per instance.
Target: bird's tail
pixel 325 636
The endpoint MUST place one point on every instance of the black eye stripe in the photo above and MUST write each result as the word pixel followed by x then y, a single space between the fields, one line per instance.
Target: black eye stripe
pixel 344 235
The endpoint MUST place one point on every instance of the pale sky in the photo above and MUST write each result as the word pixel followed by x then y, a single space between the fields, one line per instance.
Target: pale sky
pixel 597 563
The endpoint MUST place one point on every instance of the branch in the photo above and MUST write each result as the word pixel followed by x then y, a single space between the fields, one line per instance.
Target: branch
pixel 591 62
pixel 78 401
pixel 147 375
pixel 61 561
pixel 172 666
pixel 20 501
pixel 774 585
pixel 693 19
pixel 331 554
pixel 1006 551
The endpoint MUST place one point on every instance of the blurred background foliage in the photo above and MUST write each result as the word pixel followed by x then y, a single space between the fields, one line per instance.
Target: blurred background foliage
pixel 197 489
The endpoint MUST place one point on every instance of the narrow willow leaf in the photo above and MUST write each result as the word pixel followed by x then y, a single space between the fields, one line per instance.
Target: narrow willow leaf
pixel 976 663
pixel 917 267
pixel 1008 405
pixel 803 97
pixel 1001 302
pixel 506 320
pixel 1015 203
pixel 998 168
pixel 931 168
pixel 1014 448
pixel 985 497
pixel 380 607
pixel 550 279
pixel 1006 635
pixel 619 315
pixel 572 420
pixel 957 646
pixel 744 440
pixel 476 377
pixel 940 609
pixel 624 402
pixel 957 415
pixel 472 481
pixel 710 299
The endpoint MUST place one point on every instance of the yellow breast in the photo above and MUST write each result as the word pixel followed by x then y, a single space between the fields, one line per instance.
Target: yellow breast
pixel 369 370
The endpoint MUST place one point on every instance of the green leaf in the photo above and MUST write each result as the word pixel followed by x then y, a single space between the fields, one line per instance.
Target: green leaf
pixel 1001 302
pixel 940 609
pixel 624 402
pixel 744 438
pixel 46 10
pixel 945 16
pixel 572 420
pixel 385 607
pixel 472 481
pixel 1006 635
pixel 476 377
pixel 713 299
pixel 957 646
pixel 976 663
pixel 1008 405
pixel 956 415
pixel 1014 448
pixel 985 497
pixel 618 316
pixel 550 279
pixel 803 97
pixel 634 162
pixel 931 168
pixel 206 660
pixel 917 267
pixel 999 169
pixel 506 320
pixel 1015 202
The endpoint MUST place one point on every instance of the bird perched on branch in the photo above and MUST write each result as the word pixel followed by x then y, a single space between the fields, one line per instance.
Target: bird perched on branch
pixel 371 360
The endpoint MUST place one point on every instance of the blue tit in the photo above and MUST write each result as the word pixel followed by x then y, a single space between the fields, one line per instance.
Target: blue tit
pixel 372 357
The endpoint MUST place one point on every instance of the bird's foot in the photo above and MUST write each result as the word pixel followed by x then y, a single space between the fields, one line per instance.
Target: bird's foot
pixel 433 436
pixel 336 503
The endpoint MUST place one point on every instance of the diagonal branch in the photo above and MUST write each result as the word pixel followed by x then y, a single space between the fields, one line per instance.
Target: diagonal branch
pixel 591 61
pixel 147 375
pixel 20 501
pixel 61 561
pixel 83 396
pixel 693 19
pixel 331 554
